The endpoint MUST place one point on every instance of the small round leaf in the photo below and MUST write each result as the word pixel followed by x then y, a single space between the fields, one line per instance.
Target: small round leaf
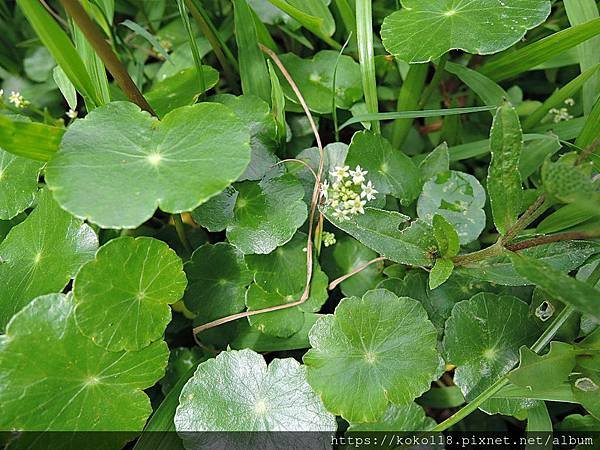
pixel 123 296
pixel 18 183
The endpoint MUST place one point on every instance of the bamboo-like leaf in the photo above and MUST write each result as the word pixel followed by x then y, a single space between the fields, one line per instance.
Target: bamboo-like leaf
pixel 489 92
pixel 253 67
pixel 148 36
pixel 61 48
pixel 591 131
pixel 416 114
pixel 510 64
pixel 504 178
pixel 410 94
pixel 578 12
pixel 31 140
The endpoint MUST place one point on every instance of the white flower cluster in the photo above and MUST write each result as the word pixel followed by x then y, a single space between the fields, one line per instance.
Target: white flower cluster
pixel 17 99
pixel 348 192
pixel 562 114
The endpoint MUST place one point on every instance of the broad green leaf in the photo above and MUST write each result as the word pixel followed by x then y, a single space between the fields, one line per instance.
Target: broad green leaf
pixel 217 213
pixel 426 29
pixel 286 322
pixel 561 393
pixel 29 139
pixel 38 64
pixel 489 92
pixel 180 89
pixel 438 302
pixel 256 114
pixel 257 223
pixel 483 337
pixel 18 184
pixel 560 286
pixel 459 198
pixel 504 180
pixel 371 338
pixel 579 423
pixel 565 182
pixel 253 67
pixel 438 160
pixel 542 372
pixel 440 272
pixel 140 163
pixel 236 391
pixel 347 255
pixel 390 170
pixel 585 385
pixel 409 417
pixel 379 230
pixel 40 255
pixel 289 259
pixel 446 236
pixel 562 256
pixel 217 277
pixel 123 295
pixel 314 78
pixel 74 385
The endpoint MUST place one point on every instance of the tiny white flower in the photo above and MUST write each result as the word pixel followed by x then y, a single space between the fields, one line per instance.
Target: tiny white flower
pixel 368 191
pixel 570 102
pixel 1 92
pixel 340 172
pixel 358 206
pixel 71 114
pixel 17 99
pixel 325 189
pixel 358 175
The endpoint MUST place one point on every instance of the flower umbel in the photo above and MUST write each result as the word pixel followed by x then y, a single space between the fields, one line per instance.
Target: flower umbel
pixel 17 99
pixel 348 194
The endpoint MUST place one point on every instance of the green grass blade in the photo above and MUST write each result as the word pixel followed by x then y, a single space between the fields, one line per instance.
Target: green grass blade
pixel 347 15
pixel 193 45
pixel 333 91
pixel 510 64
pixel 557 99
pixel 65 86
pixel 366 57
pixel 148 36
pixel 253 67
pixel 277 103
pixel 591 131
pixel 578 12
pixel 416 114
pixel 29 139
pixel 487 90
pixel 408 99
pixel 62 49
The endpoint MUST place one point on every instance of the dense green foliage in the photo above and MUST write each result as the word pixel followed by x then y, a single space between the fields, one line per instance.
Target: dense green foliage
pixel 298 215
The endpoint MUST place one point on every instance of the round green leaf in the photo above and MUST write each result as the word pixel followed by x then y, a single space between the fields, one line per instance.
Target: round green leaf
pixel 18 184
pixel 314 78
pixel 40 255
pixel 56 379
pixel 257 116
pixel 180 89
pixel 258 222
pixel 123 296
pixel 483 337
pixel 138 163
pixel 459 198
pixel 218 277
pixel 409 417
pixel 236 391
pixel 285 322
pixel 390 170
pixel 368 348
pixel 426 29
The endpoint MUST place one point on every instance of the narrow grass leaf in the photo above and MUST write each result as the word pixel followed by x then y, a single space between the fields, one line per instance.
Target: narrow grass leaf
pixel 138 29
pixel 510 63
pixel 487 90
pixel 31 140
pixel 410 95
pixel 366 57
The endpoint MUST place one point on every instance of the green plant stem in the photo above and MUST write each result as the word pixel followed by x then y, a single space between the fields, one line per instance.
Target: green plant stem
pixel 435 81
pixel 541 240
pixel 541 205
pixel 333 89
pixel 480 255
pixel 366 57
pixel 180 228
pixel 537 347
pixel 96 38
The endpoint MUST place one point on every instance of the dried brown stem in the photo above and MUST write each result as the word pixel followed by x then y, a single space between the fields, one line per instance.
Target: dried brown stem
pixel 341 279
pixel 313 207
pixel 299 161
